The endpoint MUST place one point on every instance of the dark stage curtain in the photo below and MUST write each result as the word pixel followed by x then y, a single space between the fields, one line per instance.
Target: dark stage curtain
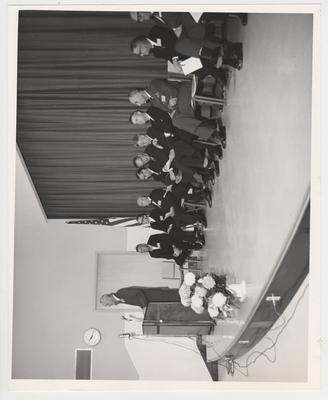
pixel 75 70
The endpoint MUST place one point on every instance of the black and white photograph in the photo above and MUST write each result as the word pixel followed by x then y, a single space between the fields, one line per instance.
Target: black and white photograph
pixel 162 195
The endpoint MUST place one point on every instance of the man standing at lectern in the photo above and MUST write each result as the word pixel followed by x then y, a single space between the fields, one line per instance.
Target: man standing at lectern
pixel 140 296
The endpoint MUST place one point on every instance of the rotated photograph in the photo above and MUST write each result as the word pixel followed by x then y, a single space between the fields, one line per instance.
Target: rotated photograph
pixel 162 204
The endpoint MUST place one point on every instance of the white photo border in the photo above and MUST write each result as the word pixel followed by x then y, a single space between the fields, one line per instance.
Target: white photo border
pixel 314 303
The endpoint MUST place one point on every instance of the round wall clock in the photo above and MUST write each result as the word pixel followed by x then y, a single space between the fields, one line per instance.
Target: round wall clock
pixel 92 337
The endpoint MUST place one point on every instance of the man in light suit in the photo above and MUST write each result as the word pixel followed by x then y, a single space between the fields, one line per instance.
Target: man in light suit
pixel 175 99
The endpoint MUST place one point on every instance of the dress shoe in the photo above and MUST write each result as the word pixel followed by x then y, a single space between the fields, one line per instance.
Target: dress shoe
pixel 217 168
pixel 223 136
pixel 239 65
pixel 210 180
pixel 200 227
pixel 223 133
pixel 212 176
pixel 238 50
pixel 197 245
pixel 219 123
pixel 211 56
pixel 219 152
pixel 208 198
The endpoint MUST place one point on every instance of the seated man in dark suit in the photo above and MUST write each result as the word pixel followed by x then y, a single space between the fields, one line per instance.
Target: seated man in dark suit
pixel 156 117
pixel 140 296
pixel 160 43
pixel 176 98
pixel 161 139
pixel 162 246
pixel 155 221
pixel 159 94
pixel 170 206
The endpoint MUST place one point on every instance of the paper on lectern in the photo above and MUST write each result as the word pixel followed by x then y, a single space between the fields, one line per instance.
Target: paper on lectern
pixel 190 65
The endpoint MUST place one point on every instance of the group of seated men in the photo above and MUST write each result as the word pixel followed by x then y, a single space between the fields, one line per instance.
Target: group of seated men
pixel 179 148
pixel 188 168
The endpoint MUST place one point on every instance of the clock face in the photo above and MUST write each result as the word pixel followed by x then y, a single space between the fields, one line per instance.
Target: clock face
pixel 92 336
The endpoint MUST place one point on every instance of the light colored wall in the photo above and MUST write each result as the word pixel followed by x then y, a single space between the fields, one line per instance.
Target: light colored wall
pixel 170 358
pixel 54 294
pixel 126 269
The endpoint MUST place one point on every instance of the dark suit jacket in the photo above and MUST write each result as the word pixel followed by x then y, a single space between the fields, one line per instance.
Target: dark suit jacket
pixel 162 122
pixel 162 91
pixel 167 138
pixel 161 119
pixel 160 155
pixel 166 248
pixel 190 27
pixel 181 190
pixel 141 296
pixel 182 239
pixel 186 157
pixel 159 175
pixel 163 203
pixel 181 217
pixel 165 243
pixel 169 20
pixel 160 224
pixel 132 295
pixel 168 42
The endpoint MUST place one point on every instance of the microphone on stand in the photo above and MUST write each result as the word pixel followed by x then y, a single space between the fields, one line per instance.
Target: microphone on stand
pixel 126 335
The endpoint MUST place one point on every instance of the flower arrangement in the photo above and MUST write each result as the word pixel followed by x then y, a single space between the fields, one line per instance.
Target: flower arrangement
pixel 210 292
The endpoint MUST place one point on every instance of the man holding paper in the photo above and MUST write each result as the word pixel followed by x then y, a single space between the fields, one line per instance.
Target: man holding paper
pixel 162 43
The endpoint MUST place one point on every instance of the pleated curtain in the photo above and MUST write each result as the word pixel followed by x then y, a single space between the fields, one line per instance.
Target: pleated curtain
pixel 75 71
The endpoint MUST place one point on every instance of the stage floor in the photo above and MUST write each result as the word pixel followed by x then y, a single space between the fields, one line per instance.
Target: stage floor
pixel 265 172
